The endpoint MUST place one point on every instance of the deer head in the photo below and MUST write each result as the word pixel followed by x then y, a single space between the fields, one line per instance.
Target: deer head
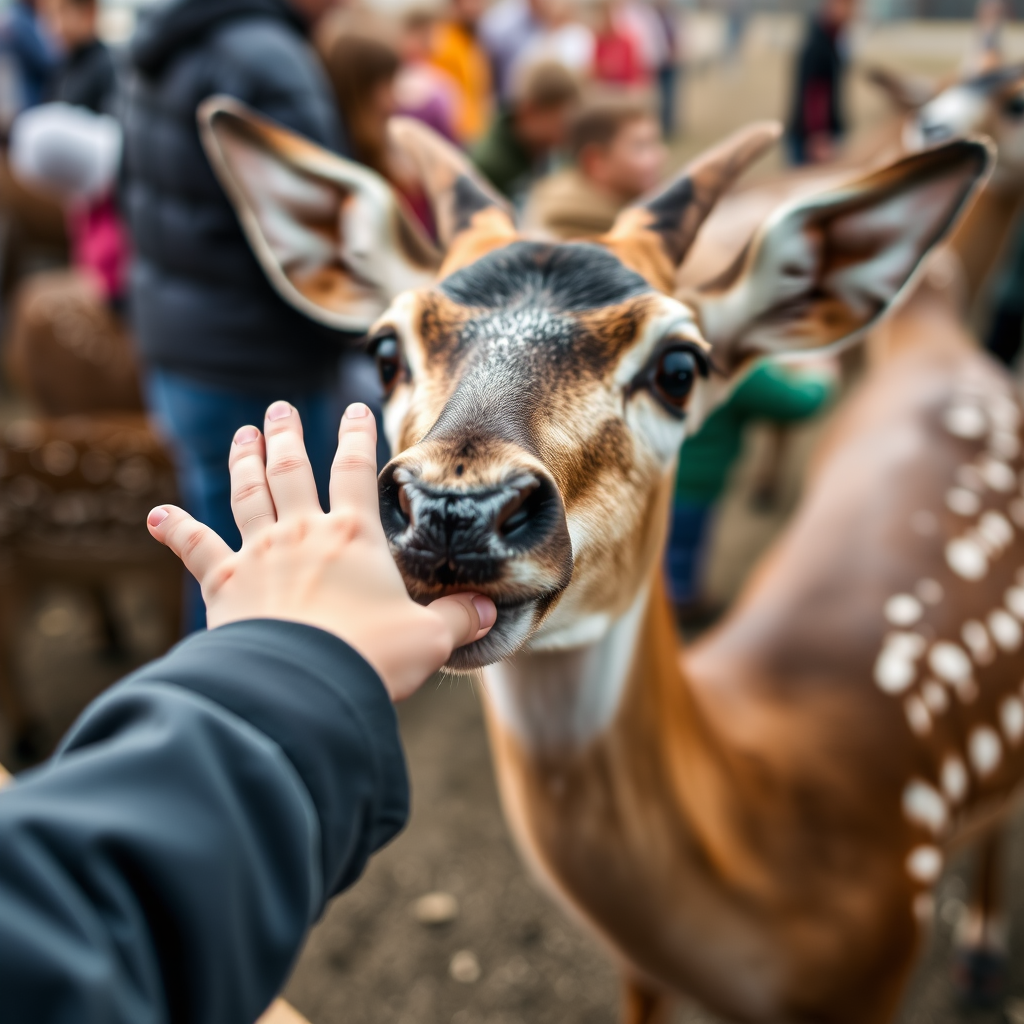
pixel 538 394
pixel 991 103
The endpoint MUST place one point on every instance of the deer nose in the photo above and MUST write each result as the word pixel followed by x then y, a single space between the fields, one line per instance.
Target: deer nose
pixel 450 536
pixel 935 131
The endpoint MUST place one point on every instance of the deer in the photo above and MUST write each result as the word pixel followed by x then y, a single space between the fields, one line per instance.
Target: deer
pixel 74 494
pixel 764 844
pixel 929 337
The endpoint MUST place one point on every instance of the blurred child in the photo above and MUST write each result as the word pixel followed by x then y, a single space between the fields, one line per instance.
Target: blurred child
pixel 423 90
pixel 617 154
pixel 770 391
pixel 457 52
pixel 86 77
pixel 523 138
pixel 363 65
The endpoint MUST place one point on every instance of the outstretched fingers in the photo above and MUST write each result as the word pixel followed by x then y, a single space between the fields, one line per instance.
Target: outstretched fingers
pixel 354 473
pixel 289 474
pixel 251 501
pixel 196 545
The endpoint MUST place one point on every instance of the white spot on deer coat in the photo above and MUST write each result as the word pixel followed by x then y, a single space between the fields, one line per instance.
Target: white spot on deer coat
pixel 967 421
pixel 998 475
pixel 903 610
pixel 950 663
pixel 966 557
pixel 984 749
pixel 976 637
pixel 924 805
pixel 918 718
pixel 1015 601
pixel 995 531
pixel 924 864
pixel 1005 629
pixel 935 697
pixel 954 778
pixel 962 501
pixel 895 668
pixel 930 591
pixel 1011 718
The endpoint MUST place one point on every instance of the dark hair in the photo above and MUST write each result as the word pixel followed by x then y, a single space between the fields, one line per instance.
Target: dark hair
pixel 546 85
pixel 601 120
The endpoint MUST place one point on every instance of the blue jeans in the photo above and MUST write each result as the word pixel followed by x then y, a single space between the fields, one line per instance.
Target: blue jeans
pixel 199 420
pixel 685 555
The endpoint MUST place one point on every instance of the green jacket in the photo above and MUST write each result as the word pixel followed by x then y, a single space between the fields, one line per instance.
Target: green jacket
pixel 503 160
pixel 769 392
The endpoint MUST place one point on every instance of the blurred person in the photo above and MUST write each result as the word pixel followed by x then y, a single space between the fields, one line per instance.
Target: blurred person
pixel 423 90
pixel 86 75
pixel 986 53
pixel 563 39
pixel 618 59
pixel 817 121
pixel 27 60
pixel 505 30
pixel 69 348
pixel 667 65
pixel 216 341
pixel 458 52
pixel 618 155
pixel 169 860
pixel 363 63
pixel 770 392
pixel 523 138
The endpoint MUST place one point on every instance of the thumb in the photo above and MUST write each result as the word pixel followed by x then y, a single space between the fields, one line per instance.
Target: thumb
pixel 468 617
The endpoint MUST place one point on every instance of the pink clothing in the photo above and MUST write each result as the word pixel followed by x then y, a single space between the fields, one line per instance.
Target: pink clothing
pixel 617 60
pixel 99 245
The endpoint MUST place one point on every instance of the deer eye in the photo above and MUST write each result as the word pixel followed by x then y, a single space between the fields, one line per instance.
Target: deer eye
pixel 1014 106
pixel 388 356
pixel 673 374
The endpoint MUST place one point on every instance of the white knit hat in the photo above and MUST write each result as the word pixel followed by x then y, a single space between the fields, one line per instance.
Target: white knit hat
pixel 67 151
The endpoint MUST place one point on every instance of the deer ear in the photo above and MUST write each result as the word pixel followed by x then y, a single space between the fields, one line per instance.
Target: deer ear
pixel 823 271
pixel 471 217
pixel 332 236
pixel 906 92
pixel 654 235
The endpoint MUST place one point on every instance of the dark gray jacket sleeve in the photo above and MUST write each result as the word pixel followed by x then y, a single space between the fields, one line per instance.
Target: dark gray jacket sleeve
pixel 167 862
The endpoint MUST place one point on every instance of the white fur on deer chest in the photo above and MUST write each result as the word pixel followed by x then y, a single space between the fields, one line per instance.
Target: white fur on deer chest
pixel 564 698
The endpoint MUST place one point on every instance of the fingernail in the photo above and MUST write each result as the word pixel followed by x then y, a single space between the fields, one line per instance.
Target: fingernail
pixel 246 435
pixel 279 411
pixel 485 610
pixel 157 516
pixel 357 411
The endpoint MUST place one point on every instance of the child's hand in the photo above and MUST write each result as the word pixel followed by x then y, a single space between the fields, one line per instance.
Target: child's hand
pixel 333 571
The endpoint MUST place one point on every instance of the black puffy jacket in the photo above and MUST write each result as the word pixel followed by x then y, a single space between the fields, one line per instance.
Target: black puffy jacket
pixel 201 305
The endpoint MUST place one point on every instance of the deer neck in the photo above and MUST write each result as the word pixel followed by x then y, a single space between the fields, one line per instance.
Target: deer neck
pixel 561 700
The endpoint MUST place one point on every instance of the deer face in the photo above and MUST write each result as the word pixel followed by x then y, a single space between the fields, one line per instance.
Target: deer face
pixel 538 394
pixel 532 392
pixel 989 104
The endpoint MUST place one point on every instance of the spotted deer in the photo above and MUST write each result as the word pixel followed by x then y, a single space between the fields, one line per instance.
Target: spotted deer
pixel 760 842
pixel 74 495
